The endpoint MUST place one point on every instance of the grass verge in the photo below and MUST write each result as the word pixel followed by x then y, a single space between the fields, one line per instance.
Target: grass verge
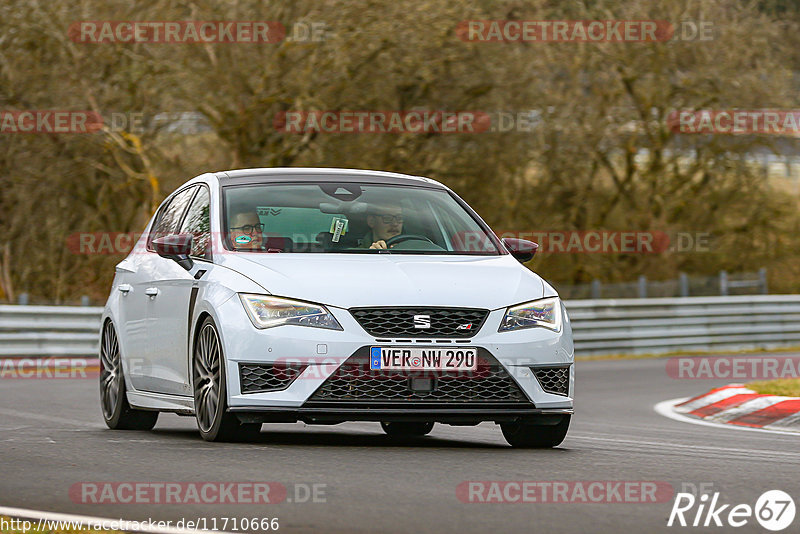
pixel 785 387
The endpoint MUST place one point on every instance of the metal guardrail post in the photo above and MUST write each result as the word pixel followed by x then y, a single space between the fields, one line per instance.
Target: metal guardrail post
pixel 762 281
pixel 84 300
pixel 723 283
pixel 23 299
pixel 642 287
pixel 683 283
pixel 595 289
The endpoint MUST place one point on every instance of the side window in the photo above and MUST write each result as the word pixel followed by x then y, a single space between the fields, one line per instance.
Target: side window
pixel 170 216
pixel 198 223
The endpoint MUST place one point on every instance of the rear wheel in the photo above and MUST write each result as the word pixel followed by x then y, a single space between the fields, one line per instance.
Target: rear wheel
pixel 535 436
pixel 210 391
pixel 403 429
pixel 117 413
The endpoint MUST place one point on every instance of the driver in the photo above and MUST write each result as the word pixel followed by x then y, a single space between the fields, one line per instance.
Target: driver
pixel 384 222
pixel 246 231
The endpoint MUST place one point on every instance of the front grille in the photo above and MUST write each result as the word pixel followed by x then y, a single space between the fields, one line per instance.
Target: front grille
pixel 553 379
pixel 354 382
pixel 259 377
pixel 400 322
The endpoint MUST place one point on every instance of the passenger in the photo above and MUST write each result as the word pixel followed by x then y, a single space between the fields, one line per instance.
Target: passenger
pixel 246 231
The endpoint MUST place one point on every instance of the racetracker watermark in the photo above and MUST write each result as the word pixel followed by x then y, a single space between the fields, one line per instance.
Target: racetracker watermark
pixel 386 121
pixel 196 493
pixel 566 491
pixel 601 241
pixel 562 31
pixel 49 368
pixel 104 243
pixel 735 121
pixel 49 121
pixel 39 121
pixel 733 367
pixel 582 31
pixel 111 243
pixel 183 31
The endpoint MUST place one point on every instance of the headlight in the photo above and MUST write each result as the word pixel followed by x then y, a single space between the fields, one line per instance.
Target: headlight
pixel 266 312
pixel 544 312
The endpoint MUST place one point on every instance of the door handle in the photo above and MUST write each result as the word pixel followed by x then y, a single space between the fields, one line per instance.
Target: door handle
pixel 151 292
pixel 125 288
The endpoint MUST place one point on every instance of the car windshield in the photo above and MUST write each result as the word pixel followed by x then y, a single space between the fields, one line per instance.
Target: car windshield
pixel 350 218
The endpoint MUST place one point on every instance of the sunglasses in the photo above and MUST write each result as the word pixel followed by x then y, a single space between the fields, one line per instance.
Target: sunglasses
pixel 388 219
pixel 249 229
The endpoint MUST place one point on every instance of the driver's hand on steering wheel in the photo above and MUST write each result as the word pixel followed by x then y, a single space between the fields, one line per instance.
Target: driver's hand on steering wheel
pixel 381 244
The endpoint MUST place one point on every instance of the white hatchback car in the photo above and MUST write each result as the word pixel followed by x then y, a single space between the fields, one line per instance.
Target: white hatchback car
pixel 332 295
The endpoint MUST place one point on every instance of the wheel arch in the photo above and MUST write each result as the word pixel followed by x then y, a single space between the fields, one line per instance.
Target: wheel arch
pixel 195 333
pixel 196 329
pixel 109 317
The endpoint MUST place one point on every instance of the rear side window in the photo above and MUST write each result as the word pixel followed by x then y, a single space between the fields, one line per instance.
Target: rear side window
pixel 198 223
pixel 170 215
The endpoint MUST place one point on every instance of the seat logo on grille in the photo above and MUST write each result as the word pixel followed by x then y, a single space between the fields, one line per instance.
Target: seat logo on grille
pixel 422 321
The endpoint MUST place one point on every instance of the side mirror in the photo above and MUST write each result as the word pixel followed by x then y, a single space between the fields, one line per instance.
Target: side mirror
pixel 176 247
pixel 520 248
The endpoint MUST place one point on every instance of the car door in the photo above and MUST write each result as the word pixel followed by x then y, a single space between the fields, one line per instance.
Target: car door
pixel 134 276
pixel 144 373
pixel 132 314
pixel 170 308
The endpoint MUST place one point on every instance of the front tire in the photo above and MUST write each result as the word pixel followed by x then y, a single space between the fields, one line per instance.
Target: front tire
pixel 117 413
pixel 406 430
pixel 535 436
pixel 211 391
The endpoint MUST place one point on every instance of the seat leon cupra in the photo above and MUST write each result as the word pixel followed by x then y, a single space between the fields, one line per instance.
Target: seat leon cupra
pixel 331 295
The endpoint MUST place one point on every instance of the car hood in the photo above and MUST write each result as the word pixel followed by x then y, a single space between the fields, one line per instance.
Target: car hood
pixel 348 280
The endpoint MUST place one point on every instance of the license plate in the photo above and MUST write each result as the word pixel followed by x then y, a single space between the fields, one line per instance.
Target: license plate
pixel 412 359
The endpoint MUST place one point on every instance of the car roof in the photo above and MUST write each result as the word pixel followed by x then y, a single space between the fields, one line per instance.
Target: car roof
pixel 316 174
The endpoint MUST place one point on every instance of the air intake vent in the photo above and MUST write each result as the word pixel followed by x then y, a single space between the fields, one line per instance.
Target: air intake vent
pixel 260 377
pixel 553 379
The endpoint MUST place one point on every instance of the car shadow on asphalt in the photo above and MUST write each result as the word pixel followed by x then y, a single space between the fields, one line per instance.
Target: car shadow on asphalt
pixel 317 438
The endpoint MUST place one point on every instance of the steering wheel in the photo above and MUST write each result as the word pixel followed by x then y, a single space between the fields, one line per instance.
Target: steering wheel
pixel 399 238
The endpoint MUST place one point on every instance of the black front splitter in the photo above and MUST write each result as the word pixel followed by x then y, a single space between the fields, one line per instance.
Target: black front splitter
pixel 437 414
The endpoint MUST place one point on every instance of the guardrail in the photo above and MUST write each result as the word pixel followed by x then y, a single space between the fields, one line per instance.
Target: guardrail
pixel 636 326
pixel 722 284
pixel 41 331
pixel 608 326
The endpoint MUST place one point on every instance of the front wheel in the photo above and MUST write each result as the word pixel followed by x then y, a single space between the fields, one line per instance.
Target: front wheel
pixel 535 436
pixel 210 391
pixel 403 429
pixel 117 413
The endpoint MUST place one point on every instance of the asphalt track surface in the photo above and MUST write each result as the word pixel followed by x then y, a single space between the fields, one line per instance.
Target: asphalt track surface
pixel 52 436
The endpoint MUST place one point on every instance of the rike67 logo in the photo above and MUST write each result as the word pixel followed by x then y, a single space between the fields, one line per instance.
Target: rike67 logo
pixel 774 510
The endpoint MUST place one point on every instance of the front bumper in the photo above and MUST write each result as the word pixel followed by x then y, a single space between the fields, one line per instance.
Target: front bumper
pixel 321 352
